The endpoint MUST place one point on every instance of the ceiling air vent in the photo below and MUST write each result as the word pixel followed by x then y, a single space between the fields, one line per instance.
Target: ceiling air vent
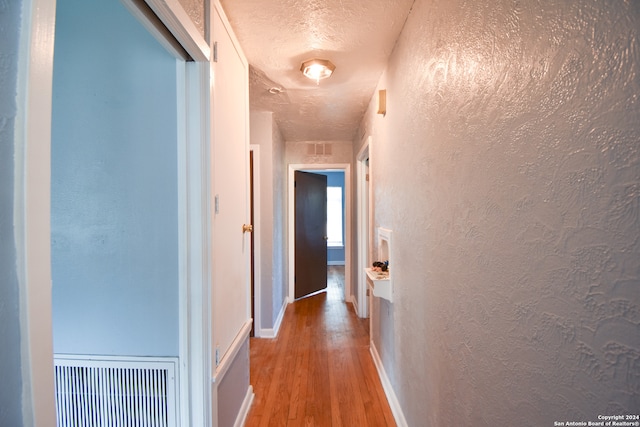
pixel 319 149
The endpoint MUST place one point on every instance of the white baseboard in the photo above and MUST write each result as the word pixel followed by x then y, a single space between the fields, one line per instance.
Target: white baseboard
pixel 398 415
pixel 354 303
pixel 244 409
pixel 272 333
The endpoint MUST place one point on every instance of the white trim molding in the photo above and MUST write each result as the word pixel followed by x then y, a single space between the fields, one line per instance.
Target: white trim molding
pixel 244 409
pixel 194 242
pixel 363 212
pixel 398 415
pixel 179 23
pixel 32 207
pixel 257 232
pixel 273 333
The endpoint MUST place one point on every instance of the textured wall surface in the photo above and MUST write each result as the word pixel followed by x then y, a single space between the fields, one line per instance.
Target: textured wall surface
pixel 196 11
pixel 508 167
pixel 298 152
pixel 277 36
pixel 10 354
pixel 265 133
pixel 114 185
pixel 261 134
pixel 280 261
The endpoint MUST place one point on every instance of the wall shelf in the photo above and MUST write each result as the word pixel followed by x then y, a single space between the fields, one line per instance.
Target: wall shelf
pixel 380 284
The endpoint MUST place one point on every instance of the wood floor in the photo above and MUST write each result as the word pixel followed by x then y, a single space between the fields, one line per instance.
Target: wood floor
pixel 318 371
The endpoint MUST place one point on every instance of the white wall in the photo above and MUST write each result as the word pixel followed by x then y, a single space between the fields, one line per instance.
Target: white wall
pixel 265 133
pixel 508 168
pixel 114 185
pixel 297 152
pixel 280 260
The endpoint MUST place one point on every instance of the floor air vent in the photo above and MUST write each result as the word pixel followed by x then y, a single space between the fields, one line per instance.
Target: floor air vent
pixel 110 392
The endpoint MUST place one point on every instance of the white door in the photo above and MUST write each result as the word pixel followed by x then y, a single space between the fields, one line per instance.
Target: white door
pixel 230 187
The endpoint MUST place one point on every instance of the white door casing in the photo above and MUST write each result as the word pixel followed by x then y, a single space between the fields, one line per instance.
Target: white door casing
pixel 180 37
pixel 257 297
pixel 32 209
pixel 291 226
pixel 363 178
pixel 230 190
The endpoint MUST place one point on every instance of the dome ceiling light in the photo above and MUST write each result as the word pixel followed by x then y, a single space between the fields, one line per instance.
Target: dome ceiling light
pixel 317 69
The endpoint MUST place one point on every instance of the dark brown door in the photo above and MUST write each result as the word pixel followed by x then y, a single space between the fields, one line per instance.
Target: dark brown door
pixel 311 233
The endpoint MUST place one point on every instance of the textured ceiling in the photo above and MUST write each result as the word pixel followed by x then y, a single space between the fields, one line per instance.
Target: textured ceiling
pixel 278 35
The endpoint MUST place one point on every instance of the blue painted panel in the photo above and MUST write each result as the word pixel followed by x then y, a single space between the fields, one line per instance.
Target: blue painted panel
pixel 114 185
pixel 10 342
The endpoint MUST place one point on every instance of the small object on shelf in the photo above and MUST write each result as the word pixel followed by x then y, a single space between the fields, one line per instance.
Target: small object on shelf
pixel 379 275
pixel 380 265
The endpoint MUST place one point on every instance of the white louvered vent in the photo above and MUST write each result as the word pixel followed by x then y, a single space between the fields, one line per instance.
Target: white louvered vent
pixel 110 392
pixel 319 149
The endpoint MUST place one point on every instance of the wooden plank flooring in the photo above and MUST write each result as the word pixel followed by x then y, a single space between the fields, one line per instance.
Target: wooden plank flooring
pixel 318 371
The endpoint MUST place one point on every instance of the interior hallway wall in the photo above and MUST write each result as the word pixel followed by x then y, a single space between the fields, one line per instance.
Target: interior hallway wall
pixel 508 168
pixel 281 262
pixel 10 331
pixel 298 152
pixel 114 185
pixel 265 133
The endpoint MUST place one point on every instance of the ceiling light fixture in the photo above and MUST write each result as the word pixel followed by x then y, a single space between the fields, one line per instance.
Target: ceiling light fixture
pixel 317 69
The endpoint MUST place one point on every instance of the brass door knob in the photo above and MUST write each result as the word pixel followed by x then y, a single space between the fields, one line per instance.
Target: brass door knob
pixel 247 228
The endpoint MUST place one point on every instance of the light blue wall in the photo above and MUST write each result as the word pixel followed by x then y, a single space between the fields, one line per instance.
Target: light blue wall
pixel 10 356
pixel 114 185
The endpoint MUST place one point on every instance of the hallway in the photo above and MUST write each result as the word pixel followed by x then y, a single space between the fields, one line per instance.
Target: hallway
pixel 318 371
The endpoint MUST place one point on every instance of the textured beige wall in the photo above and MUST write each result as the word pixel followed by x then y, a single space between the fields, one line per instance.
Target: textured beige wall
pixel 280 260
pixel 273 265
pixel 196 11
pixel 508 168
pixel 298 152
pixel 261 134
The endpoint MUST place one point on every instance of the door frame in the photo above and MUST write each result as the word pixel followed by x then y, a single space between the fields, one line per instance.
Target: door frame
pixel 194 250
pixel 175 32
pixel 343 167
pixel 32 207
pixel 32 142
pixel 363 220
pixel 257 278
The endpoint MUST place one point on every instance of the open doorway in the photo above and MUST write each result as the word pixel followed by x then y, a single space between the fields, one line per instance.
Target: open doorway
pixel 126 189
pixel 338 249
pixel 363 213
pixel 35 102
